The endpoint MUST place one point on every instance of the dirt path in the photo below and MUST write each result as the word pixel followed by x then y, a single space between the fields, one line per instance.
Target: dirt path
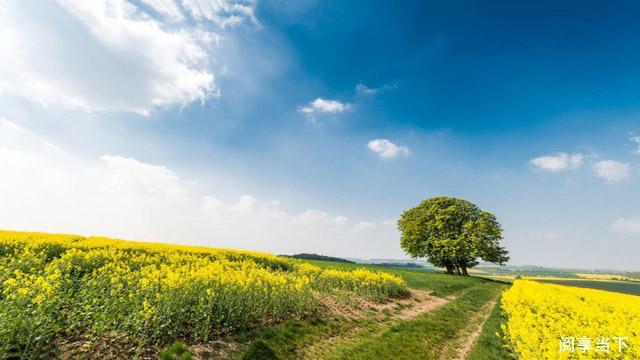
pixel 418 303
pixel 425 303
pixel 461 350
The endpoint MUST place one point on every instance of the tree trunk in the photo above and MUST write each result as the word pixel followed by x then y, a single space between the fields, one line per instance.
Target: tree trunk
pixel 464 271
pixel 458 270
pixel 449 269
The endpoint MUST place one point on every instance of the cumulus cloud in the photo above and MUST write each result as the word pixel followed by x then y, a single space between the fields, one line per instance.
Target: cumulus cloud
pixel 611 170
pixel 626 226
pixel 112 55
pixel 387 149
pixel 557 162
pixel 321 105
pixel 46 188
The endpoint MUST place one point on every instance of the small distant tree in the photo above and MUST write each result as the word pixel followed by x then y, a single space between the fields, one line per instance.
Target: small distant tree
pixel 451 233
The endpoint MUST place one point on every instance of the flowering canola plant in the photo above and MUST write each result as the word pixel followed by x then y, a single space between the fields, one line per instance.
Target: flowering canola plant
pixel 546 321
pixel 74 288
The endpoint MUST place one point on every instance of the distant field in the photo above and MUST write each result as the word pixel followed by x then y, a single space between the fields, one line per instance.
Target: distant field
pixel 626 287
pixel 507 271
pixel 603 276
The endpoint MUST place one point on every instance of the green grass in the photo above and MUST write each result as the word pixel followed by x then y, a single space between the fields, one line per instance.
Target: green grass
pixel 286 340
pixel 626 287
pixel 489 345
pixel 424 337
pixel 371 338
pixel 176 351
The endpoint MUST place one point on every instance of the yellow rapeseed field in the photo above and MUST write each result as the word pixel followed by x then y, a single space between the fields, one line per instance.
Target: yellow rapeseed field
pixel 62 289
pixel 546 321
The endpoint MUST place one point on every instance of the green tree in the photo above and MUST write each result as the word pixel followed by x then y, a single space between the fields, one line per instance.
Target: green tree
pixel 451 233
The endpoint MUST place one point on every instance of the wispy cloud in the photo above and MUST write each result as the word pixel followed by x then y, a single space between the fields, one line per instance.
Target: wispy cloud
pixel 363 89
pixel 626 225
pixel 557 162
pixel 636 140
pixel 611 170
pixel 387 149
pixel 221 12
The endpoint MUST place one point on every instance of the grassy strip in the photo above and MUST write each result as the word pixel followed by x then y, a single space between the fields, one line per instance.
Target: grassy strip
pixel 289 339
pixel 424 337
pixel 490 346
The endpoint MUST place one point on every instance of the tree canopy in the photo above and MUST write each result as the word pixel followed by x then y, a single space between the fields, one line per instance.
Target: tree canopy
pixel 451 233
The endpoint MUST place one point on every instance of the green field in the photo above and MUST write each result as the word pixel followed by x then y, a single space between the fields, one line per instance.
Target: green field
pixel 436 334
pixel 626 287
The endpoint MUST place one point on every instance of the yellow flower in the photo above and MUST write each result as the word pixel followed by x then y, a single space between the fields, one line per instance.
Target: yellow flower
pixel 23 291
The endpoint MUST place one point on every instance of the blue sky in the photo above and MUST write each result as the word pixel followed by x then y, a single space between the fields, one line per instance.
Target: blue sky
pixel 309 126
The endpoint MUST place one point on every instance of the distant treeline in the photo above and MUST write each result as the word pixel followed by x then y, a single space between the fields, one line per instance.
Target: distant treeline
pixel 633 275
pixel 318 257
pixel 400 265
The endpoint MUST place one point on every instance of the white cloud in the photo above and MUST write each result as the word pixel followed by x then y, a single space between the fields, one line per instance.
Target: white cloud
pixel 626 226
pixel 15 136
pixel 9 124
pixel 49 189
pixel 222 12
pixel 321 105
pixel 558 162
pixel 636 140
pixel 131 175
pixel 386 149
pixel 611 170
pixel 111 55
pixel 167 8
